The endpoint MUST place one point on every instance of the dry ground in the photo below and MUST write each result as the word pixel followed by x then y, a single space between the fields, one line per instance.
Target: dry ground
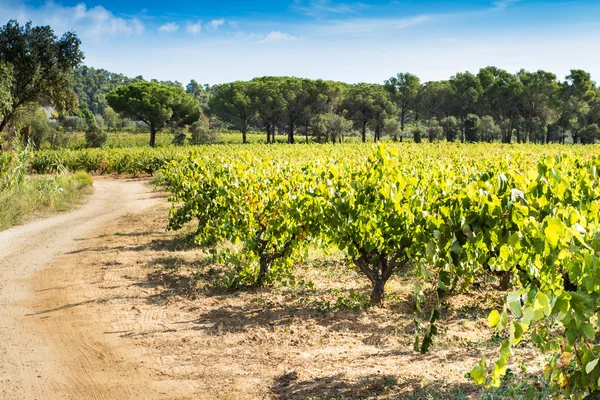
pixel 138 312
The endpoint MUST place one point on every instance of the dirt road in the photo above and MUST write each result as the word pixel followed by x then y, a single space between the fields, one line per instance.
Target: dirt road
pixel 58 356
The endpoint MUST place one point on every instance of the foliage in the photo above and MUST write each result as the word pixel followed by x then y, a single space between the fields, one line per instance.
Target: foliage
pixel 156 105
pixel 232 102
pixel 30 125
pixel 94 136
pixel 6 83
pixel 201 132
pixel 42 66
pixel 404 90
pixel 330 127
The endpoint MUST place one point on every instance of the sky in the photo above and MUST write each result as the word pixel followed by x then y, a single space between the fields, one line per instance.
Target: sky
pixel 370 41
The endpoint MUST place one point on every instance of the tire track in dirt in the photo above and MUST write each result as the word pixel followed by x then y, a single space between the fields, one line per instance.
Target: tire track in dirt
pixel 46 352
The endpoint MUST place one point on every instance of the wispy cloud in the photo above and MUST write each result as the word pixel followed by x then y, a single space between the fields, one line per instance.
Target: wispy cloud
pixel 366 26
pixel 502 5
pixel 277 36
pixel 194 28
pixel 323 8
pixel 170 27
pixel 215 24
pixel 95 22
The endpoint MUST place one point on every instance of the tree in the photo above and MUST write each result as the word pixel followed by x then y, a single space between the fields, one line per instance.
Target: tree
pixel 433 130
pixel 416 131
pixel 488 130
pixel 535 103
pixel 471 128
pixel 466 92
pixel 590 134
pixel 323 97
pixel 269 103
pixel 6 82
pixel 199 92
pixel 31 124
pixel 391 128
pixel 296 95
pixel 383 108
pixel 201 133
pixel 330 127
pixel 359 106
pixel 232 103
pixel 72 123
pixel 451 128
pixel 111 118
pixel 501 92
pixel 42 66
pixel 156 105
pixel 404 90
pixel 435 99
pixel 94 135
pixel 93 85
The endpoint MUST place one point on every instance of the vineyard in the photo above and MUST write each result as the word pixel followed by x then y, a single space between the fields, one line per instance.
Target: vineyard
pixel 523 218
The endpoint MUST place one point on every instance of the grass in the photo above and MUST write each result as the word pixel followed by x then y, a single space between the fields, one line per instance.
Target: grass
pixel 42 195
pixel 129 140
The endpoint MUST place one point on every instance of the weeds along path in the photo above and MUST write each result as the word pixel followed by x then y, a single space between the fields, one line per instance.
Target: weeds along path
pixel 47 351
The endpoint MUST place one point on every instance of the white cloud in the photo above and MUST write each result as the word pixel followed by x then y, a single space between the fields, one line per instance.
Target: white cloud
pixel 215 24
pixel 169 28
pixel 502 5
pixel 277 37
pixel 96 22
pixel 194 29
pixel 367 26
pixel 322 8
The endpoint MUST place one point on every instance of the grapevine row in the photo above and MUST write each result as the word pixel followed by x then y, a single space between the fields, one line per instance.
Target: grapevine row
pixel 532 218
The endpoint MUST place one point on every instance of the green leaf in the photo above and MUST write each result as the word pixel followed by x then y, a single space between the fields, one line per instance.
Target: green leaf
pixel 504 253
pixel 504 320
pixel 494 318
pixel 514 304
pixel 542 303
pixel 555 228
pixel 500 366
pixel 528 316
pixel 588 331
pixel 479 372
pixel 590 366
pixel 516 333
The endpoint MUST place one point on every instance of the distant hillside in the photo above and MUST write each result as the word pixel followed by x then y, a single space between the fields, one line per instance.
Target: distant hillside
pixel 92 85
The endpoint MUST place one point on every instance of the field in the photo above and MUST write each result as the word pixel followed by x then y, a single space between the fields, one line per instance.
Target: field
pixel 343 271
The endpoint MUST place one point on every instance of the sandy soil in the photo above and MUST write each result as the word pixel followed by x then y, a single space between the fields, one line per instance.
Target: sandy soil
pixel 46 351
pixel 102 303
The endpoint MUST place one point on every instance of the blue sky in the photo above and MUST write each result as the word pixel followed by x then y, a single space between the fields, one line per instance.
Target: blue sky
pixel 369 41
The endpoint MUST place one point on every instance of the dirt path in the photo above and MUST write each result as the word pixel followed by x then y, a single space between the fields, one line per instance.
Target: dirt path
pixel 46 353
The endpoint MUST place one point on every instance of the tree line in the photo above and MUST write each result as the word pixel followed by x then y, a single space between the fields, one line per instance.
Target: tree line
pixel 492 105
pixel 37 68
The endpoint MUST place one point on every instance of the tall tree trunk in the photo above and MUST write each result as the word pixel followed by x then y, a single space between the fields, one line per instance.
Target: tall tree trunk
pixel 152 135
pixel 306 133
pixel 364 132
pixel 401 125
pixel 291 133
pixel 244 138
pixel 268 129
